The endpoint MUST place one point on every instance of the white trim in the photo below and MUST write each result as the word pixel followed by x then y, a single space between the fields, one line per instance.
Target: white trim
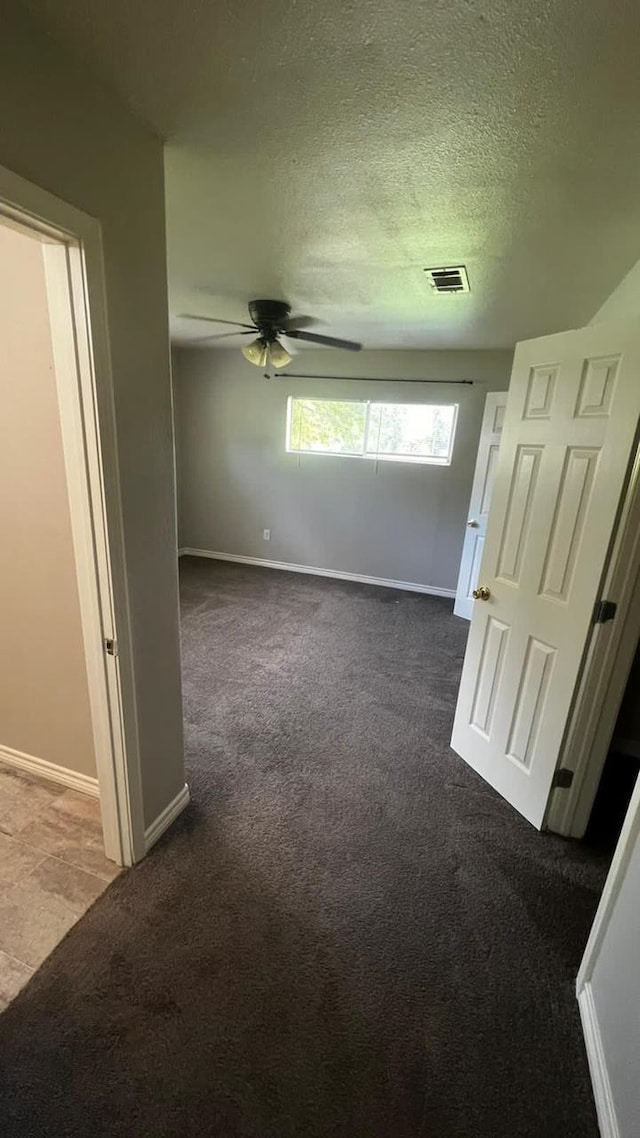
pixel 627 842
pixel 629 835
pixel 165 819
pixel 363 579
pixel 597 1065
pixel 77 300
pixel 50 771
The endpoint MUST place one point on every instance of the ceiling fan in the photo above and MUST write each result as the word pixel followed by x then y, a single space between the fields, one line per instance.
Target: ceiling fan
pixel 271 319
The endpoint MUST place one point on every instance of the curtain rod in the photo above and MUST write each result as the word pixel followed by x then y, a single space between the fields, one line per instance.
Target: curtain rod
pixel 366 378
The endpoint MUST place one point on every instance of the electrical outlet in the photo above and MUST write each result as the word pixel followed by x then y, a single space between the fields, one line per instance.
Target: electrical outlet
pixel 266 533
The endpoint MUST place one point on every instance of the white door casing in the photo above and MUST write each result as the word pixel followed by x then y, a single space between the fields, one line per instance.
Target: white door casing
pixel 77 300
pixel 569 431
pixel 607 987
pixel 481 491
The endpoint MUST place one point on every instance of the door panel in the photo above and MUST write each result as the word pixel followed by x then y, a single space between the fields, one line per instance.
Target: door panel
pixel 530 702
pixel 487 682
pixel 518 514
pixel 569 430
pixel 483 482
pixel 540 391
pixel 489 477
pixel 573 500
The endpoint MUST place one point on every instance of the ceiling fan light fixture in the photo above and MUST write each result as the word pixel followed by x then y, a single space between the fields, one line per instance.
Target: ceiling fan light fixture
pixel 278 354
pixel 270 319
pixel 257 352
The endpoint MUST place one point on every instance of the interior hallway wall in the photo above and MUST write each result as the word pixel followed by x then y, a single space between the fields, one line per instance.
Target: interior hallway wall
pixel 68 134
pixel 44 697
pixel 401 521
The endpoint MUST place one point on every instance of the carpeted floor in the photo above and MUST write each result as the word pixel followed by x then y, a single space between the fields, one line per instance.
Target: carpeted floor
pixel 347 935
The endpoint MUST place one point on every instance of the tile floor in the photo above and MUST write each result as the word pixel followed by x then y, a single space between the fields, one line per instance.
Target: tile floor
pixel 52 868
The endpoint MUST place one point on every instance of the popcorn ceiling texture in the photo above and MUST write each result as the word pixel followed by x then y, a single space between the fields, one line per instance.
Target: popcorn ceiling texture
pixel 328 152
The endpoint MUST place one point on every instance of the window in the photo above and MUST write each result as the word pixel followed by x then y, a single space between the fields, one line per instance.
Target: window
pixel 399 432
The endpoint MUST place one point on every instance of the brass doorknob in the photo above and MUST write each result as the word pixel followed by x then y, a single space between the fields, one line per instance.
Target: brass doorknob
pixel 482 593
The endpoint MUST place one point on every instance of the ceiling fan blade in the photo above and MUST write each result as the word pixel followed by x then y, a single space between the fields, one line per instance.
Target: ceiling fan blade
pixel 214 320
pixel 330 341
pixel 222 336
pixel 298 322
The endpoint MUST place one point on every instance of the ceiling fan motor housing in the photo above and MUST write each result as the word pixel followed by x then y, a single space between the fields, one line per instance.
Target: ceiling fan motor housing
pixel 269 316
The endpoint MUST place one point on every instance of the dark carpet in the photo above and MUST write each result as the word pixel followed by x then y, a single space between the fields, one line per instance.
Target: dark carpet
pixel 347 934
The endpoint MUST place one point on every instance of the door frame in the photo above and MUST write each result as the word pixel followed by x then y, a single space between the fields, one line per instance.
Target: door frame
pixel 608 658
pixel 75 274
pixel 593 1041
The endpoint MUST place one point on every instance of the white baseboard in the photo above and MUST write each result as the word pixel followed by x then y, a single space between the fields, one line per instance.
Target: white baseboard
pixel 164 820
pixel 51 771
pixel 361 578
pixel 597 1065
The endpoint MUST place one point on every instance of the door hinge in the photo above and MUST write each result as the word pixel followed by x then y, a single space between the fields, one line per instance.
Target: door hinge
pixel 562 778
pixel 111 646
pixel 604 611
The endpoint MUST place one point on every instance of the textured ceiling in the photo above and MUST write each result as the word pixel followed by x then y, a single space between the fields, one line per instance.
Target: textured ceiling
pixel 326 151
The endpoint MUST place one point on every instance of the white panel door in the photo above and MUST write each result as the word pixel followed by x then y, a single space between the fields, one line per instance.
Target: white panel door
pixel 486 464
pixel 568 435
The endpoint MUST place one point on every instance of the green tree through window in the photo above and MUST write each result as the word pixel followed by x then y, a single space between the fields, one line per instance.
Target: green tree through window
pixel 328 425
pixel 404 432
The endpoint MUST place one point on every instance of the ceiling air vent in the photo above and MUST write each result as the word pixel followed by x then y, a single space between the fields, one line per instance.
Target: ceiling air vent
pixel 451 279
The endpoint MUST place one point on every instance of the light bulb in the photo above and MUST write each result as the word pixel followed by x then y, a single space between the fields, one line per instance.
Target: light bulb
pixel 256 352
pixel 278 354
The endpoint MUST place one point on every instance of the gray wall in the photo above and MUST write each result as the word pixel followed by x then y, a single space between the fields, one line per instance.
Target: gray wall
pixel 68 135
pixel 403 522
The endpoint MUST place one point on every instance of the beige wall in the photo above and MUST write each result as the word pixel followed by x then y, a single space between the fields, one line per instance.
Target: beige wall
pixel 44 699
pixel 61 130
pixel 401 521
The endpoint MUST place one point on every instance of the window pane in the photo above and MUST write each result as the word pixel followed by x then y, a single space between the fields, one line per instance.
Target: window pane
pixel 411 430
pixel 327 425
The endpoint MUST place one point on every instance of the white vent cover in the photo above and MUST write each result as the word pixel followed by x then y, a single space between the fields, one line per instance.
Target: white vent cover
pixel 451 279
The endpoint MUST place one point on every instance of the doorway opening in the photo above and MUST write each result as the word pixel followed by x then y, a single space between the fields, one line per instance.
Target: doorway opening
pixel 619 766
pixel 70 803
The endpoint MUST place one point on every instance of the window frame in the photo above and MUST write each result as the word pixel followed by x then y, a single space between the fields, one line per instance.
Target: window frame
pixel 373 456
